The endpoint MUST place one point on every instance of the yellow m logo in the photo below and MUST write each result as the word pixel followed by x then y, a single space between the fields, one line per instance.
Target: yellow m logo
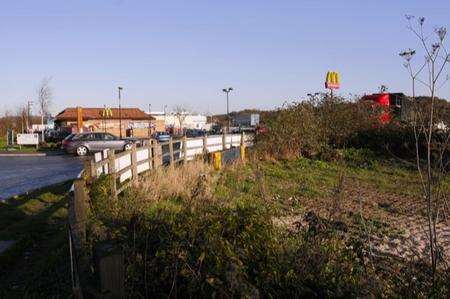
pixel 107 112
pixel 332 80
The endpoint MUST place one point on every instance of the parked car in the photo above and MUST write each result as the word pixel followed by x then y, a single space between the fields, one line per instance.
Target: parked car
pixel 55 136
pixel 161 136
pixel 195 133
pixel 84 143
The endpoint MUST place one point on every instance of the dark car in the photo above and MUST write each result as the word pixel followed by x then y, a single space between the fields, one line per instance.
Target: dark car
pixel 195 133
pixel 55 135
pixel 84 143
pixel 161 136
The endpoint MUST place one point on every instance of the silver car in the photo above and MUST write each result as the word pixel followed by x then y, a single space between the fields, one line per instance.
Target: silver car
pixel 84 143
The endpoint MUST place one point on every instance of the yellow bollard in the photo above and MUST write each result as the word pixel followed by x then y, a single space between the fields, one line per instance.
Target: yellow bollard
pixel 243 153
pixel 217 160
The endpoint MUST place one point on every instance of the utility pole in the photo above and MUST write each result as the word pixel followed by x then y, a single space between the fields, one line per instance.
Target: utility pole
pixel 120 112
pixel 29 104
pixel 227 91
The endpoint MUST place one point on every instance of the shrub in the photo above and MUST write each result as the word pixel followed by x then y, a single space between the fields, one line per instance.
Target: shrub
pixel 102 204
pixel 311 128
pixel 294 130
pixel 389 140
pixel 317 128
pixel 233 250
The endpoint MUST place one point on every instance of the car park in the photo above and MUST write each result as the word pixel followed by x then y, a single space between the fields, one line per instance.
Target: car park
pixel 83 143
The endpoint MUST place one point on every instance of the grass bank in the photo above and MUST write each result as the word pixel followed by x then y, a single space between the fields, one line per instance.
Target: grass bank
pixel 37 265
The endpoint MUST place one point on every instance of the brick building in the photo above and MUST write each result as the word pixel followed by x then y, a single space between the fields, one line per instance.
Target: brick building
pixel 135 122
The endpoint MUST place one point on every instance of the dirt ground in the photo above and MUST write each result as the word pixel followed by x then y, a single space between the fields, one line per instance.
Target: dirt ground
pixel 391 224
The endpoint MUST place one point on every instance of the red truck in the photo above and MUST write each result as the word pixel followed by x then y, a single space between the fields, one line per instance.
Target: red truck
pixel 387 106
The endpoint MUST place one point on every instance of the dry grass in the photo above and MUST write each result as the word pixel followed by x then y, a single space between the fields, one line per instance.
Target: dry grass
pixel 188 181
pixel 167 186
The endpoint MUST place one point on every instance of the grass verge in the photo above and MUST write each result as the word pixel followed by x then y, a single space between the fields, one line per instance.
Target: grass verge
pixel 38 264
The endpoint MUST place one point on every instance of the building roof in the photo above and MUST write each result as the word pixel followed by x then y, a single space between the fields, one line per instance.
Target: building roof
pixel 70 114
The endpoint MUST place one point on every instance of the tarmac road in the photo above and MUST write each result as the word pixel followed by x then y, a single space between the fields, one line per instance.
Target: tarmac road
pixel 19 175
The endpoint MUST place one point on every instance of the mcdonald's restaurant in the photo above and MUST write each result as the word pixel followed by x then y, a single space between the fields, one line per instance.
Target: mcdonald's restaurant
pixel 133 121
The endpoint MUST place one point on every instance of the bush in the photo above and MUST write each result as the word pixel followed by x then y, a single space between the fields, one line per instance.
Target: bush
pixel 312 128
pixel 317 128
pixel 294 130
pixel 232 250
pixel 389 140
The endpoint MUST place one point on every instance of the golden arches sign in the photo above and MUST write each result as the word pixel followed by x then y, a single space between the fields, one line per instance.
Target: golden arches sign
pixel 107 112
pixel 332 80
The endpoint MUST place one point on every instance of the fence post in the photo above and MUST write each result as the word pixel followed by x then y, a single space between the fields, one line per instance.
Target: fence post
pixel 104 157
pixel 77 228
pixel 87 170
pixel 134 173
pixel 205 145
pixel 224 141
pixel 109 265
pixel 112 172
pixel 184 149
pixel 171 151
pixel 157 155
pixel 151 162
pixel 242 147
pixel 77 214
pixel 92 166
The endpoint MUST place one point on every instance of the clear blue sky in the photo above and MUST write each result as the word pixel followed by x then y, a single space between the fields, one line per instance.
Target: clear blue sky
pixel 185 52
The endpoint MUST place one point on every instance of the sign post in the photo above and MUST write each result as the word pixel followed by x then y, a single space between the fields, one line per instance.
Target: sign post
pixel 10 138
pixel 28 139
pixel 332 81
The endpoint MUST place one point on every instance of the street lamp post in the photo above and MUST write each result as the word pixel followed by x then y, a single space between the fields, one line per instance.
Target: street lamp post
pixel 120 112
pixel 227 91
pixel 29 104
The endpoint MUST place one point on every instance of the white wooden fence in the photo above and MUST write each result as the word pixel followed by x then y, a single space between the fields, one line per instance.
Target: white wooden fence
pixel 127 165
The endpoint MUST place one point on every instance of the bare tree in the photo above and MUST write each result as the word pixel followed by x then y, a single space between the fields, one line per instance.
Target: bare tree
pixel 181 112
pixel 45 95
pixel 22 114
pixel 424 120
